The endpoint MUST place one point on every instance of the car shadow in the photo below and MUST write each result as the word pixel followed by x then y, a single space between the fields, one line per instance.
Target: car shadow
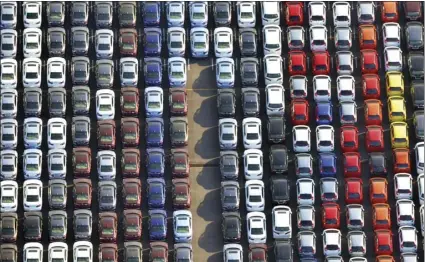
pixel 208 148
pixel 205 82
pixel 204 116
pixel 211 240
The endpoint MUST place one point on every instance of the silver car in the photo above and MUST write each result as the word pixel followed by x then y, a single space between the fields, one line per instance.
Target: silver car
pixel 80 40
pixel 9 15
pixel 304 165
pixel 228 133
pixel 58 225
pixel 104 14
pixel 176 41
pixel 79 13
pixel 104 43
pixel 107 195
pixel 57 193
pixel 80 70
pixel 229 165
pixel 343 37
pixel 366 12
pixel 296 37
pixel 104 73
pixel 80 100
pixel 57 102
pixel 344 62
pixel 232 253
pixel 230 195
pixel 32 101
pixel 348 112
pixel 356 241
pixel 355 217
pixel 83 220
pixel 298 87
pixel 81 130
pixel 56 41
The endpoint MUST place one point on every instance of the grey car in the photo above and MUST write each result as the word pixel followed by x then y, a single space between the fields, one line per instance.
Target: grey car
pixel 229 165
pixel 58 225
pixel 80 100
pixel 304 165
pixel 231 227
pixel 133 251
pixel 57 102
pixel 419 122
pixel 9 252
pixel 79 13
pixel 276 129
pixel 280 190
pixel 283 251
pixel 417 92
pixel 55 13
pixel 127 14
pixel 9 226
pixel 80 70
pixel 230 195
pixel 343 38
pixel 56 41
pixel 415 62
pixel 249 70
pixel 414 35
pixel 81 130
pixel 183 252
pixel 278 156
pixel 344 61
pixel 32 101
pixel 296 37
pixel 57 193
pixel 103 14
pixel 80 40
pixel 348 112
pixel 248 41
pixel 306 243
pixel 33 226
pixel 83 220
pixel 104 73
pixel 250 101
pixel 107 195
pixel 222 13
pixel 226 103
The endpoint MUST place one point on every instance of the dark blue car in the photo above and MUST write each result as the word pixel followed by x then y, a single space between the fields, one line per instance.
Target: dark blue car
pixel 151 13
pixel 327 164
pixel 154 132
pixel 156 193
pixel 153 71
pixel 152 41
pixel 324 113
pixel 157 225
pixel 155 162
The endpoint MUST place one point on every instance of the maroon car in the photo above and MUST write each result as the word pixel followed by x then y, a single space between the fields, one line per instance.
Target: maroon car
pixel 180 162
pixel 130 162
pixel 178 101
pixel 131 192
pixel 129 101
pixel 108 227
pixel 82 193
pixel 132 224
pixel 106 134
pixel 130 132
pixel 181 193
pixel 81 161
pixel 108 253
pixel 257 253
pixel 413 10
pixel 128 42
pixel 159 251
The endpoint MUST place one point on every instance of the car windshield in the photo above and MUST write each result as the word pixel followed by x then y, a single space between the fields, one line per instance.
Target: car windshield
pixel 151 44
pixel 105 107
pixel 246 15
pixel 56 136
pixel 106 199
pixel 103 16
pixel 180 196
pixel 32 198
pixel 106 138
pixel 56 105
pixel 79 43
pixel 55 44
pixel 30 75
pixel 32 15
pixel 255 199
pixel 156 195
pixel 83 259
pixel 175 15
pixel 7 47
pixel 158 228
pixel 78 14
pixel 7 199
pixel 273 75
pixel 256 231
pixel 7 17
pixel 7 106
pixel 32 136
pixel 182 229
pixel 250 104
pixel 222 14
pixel 177 74
pixel 106 168
pixel 198 15
pixel 56 167
pixel 199 45
pixel 227 136
pixel 32 45
pixel 7 168
pixel 8 137
pixel 80 134
pixel 230 199
pixel 82 196
pixel 103 47
pixel 155 105
pixel 229 168
pixel 252 136
pixel 153 74
pixel 127 16
pixel 297 42
pixel 55 75
pixel 176 44
pixel 80 73
pixel 225 75
pixel 254 167
pixel 31 167
pixel 223 45
pixel 128 75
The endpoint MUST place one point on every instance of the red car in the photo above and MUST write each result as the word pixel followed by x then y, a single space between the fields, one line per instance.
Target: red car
pixel 299 112
pixel 353 190
pixel 373 112
pixel 130 131
pixel 352 164
pixel 401 160
pixel 389 12
pixel 178 101
pixel 369 61
pixel 294 13
pixel 257 253
pixel 108 227
pixel 349 139
pixel 180 166
pixel 132 224
pixel 383 242
pixel 412 10
pixel 81 161
pixel 158 251
pixel 371 85
pixel 321 63
pixel 108 252
pixel 331 215
pixel 131 192
pixel 374 139
pixel 129 101
pixel 297 63
pixel 82 193
pixel 181 193
pixel 130 162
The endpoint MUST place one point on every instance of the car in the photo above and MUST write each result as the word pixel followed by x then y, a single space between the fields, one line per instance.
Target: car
pixel 332 242
pixel 343 38
pixel 251 129
pixel 176 41
pixel 55 13
pixel 324 113
pixel 356 243
pixel 228 133
pixel 79 13
pixel 421 188
pixel 81 130
pixel 393 57
pixel 156 192
pixel 381 216
pixel 325 138
pixel 32 163
pixel 306 242
pixel 198 13
pixel 106 134
pixel 248 42
pixel 56 162
pixel 366 12
pixel 249 71
pixel 157 225
pixel 369 61
pixel 355 217
pixel 83 220
pixel 127 14
pixel 344 62
pixel 229 165
pixel 131 192
pixel 353 190
pixel 414 35
pixel 371 86
pixel 297 63
pixel 377 163
pixel 151 13
pixel 57 251
pixel 318 38
pixel 321 63
pixel 129 71
pixel 108 227
pixel 83 250
pixel 301 138
pixel 199 41
pixel 104 43
pixel 80 100
pixel 391 33
pixel 107 195
pixel 415 62
pixel 9 40
pixel 281 222
pixel 158 250
pixel 374 138
pixel 32 16
pixel 403 186
pixel 305 191
pixel 105 104
pixel 408 239
pixel 225 72
pixel 106 164
pixel 389 12
pixel 103 12
pixel 373 112
pixel 82 192
pixel 9 103
pixel 378 190
pixel 417 90
pixel 130 131
pixel 327 164
pixel 183 251
pixel 272 35
pixel 129 101
pixel 33 251
pixel 57 193
pixel 317 13
pixel 422 216
pixel 226 102
pixel 401 160
pixel 32 195
pixel 175 13
pixel 341 14
pixel 295 37
pixel 222 13
pixel 56 133
pixel 56 39
pixel 299 112
pixel 394 84
pixel 413 10
pixel 246 14
pixel 399 135
pixel 32 42
pixel 154 132
pixel 348 112
pixel 276 129
pixel 419 157
pixel 80 70
pixel 177 72
pixel 56 72
pixel 104 72
pixel 128 39
pixel 9 196
pixel 130 162
pixel 155 162
pixel 256 228
pixel 322 88
pixel 230 195
pixel 280 190
pixel 270 13
pixel 396 109
pixel 383 242
pixel 254 192
pixel 8 165
pixel 9 76
pixel 223 42
pixel 152 41
pixel 9 11
pixel 331 215
pixel 405 212
pixel 352 164
pixel 304 165
pixel 273 69
pixel 250 101
pixel 181 193
pixel 182 225
pixel 108 251
pixel 57 102
pixel 349 138
pixel 306 217
pixel 329 189
pixel 179 133
pixel 294 13
pixel 367 36
pixel 278 156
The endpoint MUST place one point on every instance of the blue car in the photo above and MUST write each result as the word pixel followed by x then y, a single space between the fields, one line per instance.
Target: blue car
pixel 156 193
pixel 152 41
pixel 157 225
pixel 153 71
pixel 155 162
pixel 327 164
pixel 154 132
pixel 324 113
pixel 151 13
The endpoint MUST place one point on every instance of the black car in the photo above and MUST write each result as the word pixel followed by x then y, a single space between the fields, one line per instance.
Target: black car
pixel 278 157
pixel 230 195
pixel 226 103
pixel 9 253
pixel 79 13
pixel 33 226
pixel 8 227
pixel 250 101
pixel 103 14
pixel 231 227
pixel 419 123
pixel 414 35
pixel 248 42
pixel 417 92
pixel 229 165
pixel 127 14
pixel 377 163
pixel 415 63
pixel 222 13
pixel 283 251
pixel 280 190
pixel 276 129
pixel 55 13
pixel 58 225
pixel 250 67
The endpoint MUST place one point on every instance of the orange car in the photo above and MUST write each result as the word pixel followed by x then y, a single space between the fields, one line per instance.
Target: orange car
pixel 384 258
pixel 367 37
pixel 378 190
pixel 401 160
pixel 373 112
pixel 381 216
pixel 383 242
pixel 389 12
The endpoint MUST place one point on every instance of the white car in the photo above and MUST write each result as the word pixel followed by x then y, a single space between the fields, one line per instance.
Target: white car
pixel 33 195
pixel 422 217
pixel 322 88
pixel 317 13
pixel 129 71
pixel 393 57
pixel 175 13
pixel 275 100
pixel 341 14
pixel 8 73
pixel 199 42
pixel 408 239
pixel 106 164
pixel 32 42
pixel 9 133
pixel 355 217
pixel 57 251
pixel 83 251
pixel 198 12
pixel 223 42
pixel 32 14
pixel 182 225
pixel 256 228
pixel 232 253
pixel 405 212
pixel 56 133
pixel 420 181
pixel 344 62
pixel 247 13
pixel 331 242
pixel 270 13
pixel 306 217
pixel 154 101
pixel 104 43
pixel 31 73
pixel 56 162
pixel 356 241
pixel 295 37
pixel 105 104
pixel 56 72
pixel 176 41
pixel 33 252
pixel 225 72
pixel 177 71
pixel 9 12
pixel 403 186
pixel 419 156
pixel 8 165
pixel 253 164
pixel 346 86
pixel 33 132
pixel 301 138
pixel 305 191
pixel 325 138
pixel 252 135
pixel 391 34
pixel 32 163
pixel 343 38
pixel 9 43
pixel 282 222
pixel 272 40
pixel 366 12
pixel 318 38
pixel 254 195
pixel 8 103
pixel 228 133
pixel 9 196
pixel 273 69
